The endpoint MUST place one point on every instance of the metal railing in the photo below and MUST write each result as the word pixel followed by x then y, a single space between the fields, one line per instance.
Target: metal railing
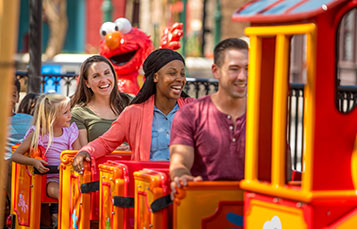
pixel 296 124
pixel 346 98
pixel 64 84
pixel 195 87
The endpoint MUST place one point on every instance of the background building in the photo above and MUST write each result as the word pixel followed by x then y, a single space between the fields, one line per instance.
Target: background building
pixel 206 23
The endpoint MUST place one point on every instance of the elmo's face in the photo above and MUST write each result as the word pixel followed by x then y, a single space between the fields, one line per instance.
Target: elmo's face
pixel 124 46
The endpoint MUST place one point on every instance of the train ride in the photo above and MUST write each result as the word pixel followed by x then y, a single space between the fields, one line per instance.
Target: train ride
pixel 118 193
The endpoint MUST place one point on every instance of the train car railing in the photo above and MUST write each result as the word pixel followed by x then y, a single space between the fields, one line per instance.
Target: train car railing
pixel 296 124
pixel 197 87
pixel 346 98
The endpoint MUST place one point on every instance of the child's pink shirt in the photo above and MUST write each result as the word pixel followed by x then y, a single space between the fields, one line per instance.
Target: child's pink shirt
pixel 58 144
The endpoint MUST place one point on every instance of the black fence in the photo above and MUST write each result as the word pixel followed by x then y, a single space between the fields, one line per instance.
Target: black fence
pixel 197 87
pixel 64 84
pixel 346 100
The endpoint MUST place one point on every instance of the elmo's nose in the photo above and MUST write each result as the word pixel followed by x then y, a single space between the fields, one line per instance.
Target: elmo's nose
pixel 112 40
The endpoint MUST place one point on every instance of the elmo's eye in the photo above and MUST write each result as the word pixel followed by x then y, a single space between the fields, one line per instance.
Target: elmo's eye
pixel 122 25
pixel 107 27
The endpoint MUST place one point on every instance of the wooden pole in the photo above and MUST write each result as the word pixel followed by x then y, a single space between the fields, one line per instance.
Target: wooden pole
pixel 204 29
pixel 183 17
pixel 35 48
pixel 8 41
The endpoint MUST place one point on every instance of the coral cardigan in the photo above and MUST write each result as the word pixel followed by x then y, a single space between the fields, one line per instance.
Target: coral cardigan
pixel 134 125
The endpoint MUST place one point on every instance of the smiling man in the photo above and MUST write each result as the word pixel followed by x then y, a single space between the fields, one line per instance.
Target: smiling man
pixel 208 135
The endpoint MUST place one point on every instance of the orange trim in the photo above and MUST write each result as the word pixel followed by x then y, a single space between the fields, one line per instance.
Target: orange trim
pixel 213 184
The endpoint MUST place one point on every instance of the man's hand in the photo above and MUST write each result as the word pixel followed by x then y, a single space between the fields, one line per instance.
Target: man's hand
pixel 78 161
pixel 183 180
pixel 181 162
pixel 39 164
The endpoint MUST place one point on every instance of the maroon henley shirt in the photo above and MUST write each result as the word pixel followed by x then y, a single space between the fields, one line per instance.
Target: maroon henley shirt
pixel 219 148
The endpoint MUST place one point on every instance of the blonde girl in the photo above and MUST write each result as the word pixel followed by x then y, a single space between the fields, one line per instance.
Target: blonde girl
pixel 51 129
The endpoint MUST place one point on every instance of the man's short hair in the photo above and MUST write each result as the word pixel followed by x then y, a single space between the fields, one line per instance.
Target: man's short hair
pixel 17 85
pixel 230 43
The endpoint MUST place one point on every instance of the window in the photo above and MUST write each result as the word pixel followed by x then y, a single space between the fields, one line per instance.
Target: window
pixel 346 97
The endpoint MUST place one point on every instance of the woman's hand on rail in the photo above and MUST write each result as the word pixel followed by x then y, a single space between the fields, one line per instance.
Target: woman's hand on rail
pixel 78 161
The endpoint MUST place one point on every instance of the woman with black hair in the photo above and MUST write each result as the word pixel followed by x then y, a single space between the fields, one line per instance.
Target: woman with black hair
pixel 146 123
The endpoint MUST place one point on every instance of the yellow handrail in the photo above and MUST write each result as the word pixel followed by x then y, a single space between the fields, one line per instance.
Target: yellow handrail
pixel 251 172
pixel 277 186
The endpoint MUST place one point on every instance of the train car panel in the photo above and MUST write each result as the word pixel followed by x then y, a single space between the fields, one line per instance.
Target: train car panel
pixel 72 204
pixel 117 178
pixel 208 204
pixel 346 222
pixel 266 213
pixel 78 209
pixel 112 183
pixel 22 196
pixel 28 193
pixel 150 185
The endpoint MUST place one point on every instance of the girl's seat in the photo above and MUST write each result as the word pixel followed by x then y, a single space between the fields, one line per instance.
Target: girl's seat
pixel 28 193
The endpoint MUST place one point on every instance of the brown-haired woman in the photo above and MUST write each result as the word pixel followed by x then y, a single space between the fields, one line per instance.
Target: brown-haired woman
pixel 97 103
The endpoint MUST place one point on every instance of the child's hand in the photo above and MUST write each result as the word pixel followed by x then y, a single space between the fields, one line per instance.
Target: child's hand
pixel 39 165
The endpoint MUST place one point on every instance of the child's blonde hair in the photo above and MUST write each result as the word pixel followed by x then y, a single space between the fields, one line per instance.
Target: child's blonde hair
pixel 45 115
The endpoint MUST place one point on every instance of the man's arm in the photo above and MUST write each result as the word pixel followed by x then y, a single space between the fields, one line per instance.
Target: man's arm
pixel 181 161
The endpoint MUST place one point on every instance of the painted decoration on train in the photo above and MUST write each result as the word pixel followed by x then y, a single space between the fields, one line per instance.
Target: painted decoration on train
pixel 274 223
pixel 22 203
pixel 235 218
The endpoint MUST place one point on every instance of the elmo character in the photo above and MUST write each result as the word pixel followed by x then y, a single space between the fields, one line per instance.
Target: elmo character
pixel 127 47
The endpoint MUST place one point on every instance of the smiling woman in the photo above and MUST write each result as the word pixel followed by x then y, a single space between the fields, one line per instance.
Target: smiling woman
pixel 146 123
pixel 97 102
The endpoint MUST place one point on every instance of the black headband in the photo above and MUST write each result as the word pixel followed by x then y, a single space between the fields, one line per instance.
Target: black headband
pixel 159 58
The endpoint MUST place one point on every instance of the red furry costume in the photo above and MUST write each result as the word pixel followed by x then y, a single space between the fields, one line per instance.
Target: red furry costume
pixel 127 47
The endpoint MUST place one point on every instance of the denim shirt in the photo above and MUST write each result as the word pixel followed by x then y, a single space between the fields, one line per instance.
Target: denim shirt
pixel 19 124
pixel 161 131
